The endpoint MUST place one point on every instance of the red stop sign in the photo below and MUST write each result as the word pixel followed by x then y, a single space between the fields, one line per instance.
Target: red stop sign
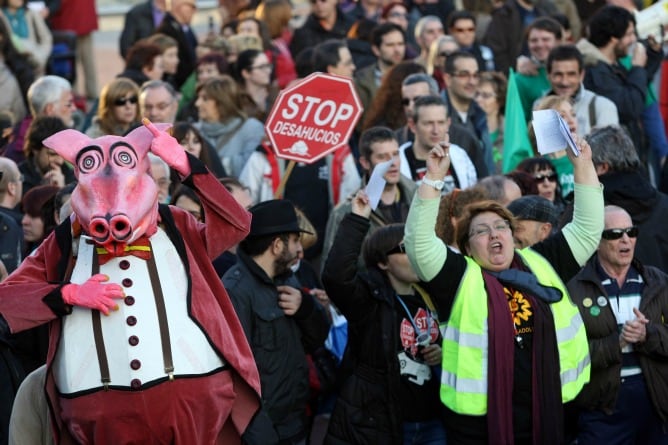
pixel 313 117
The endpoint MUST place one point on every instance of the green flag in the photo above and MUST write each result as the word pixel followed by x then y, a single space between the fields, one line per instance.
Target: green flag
pixel 516 145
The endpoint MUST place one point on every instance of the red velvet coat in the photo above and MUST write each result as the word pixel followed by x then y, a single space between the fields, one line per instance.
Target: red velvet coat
pixel 31 295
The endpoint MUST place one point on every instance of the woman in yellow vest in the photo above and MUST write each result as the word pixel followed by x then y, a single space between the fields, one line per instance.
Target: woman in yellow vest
pixel 514 346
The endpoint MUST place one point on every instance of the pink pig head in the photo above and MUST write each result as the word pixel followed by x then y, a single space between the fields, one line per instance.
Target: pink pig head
pixel 116 199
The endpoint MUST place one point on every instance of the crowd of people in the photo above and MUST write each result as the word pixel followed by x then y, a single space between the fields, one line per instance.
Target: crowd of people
pixel 493 295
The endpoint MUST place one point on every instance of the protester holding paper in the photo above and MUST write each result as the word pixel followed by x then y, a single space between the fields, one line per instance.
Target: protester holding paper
pixel 379 149
pixel 512 330
pixel 390 395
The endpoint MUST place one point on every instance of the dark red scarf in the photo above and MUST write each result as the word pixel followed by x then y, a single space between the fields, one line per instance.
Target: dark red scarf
pixel 546 407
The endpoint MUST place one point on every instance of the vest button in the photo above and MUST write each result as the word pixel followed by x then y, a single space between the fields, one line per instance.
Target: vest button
pixel 135 364
pixel 135 384
pixel 133 340
pixel 124 264
pixel 131 320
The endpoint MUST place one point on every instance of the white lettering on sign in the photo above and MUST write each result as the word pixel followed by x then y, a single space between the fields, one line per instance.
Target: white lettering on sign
pixel 326 113
pixel 306 132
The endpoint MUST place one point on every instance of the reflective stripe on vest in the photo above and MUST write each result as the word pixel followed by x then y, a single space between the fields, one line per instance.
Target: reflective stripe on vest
pixel 465 340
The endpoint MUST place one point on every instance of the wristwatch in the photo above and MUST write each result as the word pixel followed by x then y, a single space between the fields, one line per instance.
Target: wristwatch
pixel 438 185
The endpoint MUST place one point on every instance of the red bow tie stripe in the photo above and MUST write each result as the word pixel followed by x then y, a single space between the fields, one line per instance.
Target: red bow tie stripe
pixel 140 248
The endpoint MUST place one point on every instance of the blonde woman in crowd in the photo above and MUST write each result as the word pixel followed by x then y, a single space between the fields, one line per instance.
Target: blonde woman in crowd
pixel 438 52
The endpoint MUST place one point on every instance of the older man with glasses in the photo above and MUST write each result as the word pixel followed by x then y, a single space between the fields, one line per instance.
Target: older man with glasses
pixel 157 102
pixel 624 306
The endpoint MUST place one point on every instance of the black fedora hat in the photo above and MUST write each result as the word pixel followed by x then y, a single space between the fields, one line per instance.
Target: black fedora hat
pixel 274 217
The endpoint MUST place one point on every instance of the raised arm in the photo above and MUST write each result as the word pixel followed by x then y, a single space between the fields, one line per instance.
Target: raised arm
pixel 426 252
pixel 584 231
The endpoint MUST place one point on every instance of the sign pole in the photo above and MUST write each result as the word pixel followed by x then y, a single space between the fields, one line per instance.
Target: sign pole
pixel 286 175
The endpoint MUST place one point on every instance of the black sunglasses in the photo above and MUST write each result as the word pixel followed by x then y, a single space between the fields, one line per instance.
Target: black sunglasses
pixel 122 101
pixel 400 248
pixel 613 234
pixel 540 178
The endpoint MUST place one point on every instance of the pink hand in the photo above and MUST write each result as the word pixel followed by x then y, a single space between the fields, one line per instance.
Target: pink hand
pixel 168 149
pixel 93 294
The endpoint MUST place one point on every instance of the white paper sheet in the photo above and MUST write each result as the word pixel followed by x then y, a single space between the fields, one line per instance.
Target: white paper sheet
pixel 376 185
pixel 552 133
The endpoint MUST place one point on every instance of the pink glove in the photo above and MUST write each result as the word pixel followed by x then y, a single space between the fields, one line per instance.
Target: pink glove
pixel 168 149
pixel 93 294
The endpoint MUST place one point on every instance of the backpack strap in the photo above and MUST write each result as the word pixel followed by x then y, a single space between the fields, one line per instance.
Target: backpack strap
pixel 592 112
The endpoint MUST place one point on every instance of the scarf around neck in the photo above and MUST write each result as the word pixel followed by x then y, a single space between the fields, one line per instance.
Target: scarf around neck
pixel 546 409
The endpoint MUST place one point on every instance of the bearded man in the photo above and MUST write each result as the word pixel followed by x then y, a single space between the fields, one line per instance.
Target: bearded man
pixel 282 322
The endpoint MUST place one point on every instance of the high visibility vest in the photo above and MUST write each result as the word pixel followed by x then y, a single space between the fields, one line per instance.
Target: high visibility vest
pixel 466 343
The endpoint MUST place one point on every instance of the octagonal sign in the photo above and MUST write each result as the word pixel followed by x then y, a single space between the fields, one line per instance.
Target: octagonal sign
pixel 313 118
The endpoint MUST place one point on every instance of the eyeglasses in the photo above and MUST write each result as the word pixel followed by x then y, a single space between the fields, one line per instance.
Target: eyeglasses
pixel 501 225
pixel 406 101
pixel 466 75
pixel 464 29
pixel 613 234
pixel 445 53
pixel 400 248
pixel 124 100
pixel 397 15
pixel 162 106
pixel 264 66
pixel 484 95
pixel 552 177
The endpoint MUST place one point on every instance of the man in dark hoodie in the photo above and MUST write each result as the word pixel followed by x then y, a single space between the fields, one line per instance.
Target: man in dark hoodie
pixel 620 171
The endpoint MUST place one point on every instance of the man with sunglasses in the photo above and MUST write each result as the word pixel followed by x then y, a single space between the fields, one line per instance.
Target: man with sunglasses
pixel 624 306
pixel 462 26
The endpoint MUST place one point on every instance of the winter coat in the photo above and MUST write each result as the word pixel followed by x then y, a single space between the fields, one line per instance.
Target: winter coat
pixel 367 409
pixel 279 342
pixel 606 356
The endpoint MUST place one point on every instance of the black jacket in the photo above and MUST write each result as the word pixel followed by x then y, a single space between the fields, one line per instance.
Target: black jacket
pixel 32 177
pixel 186 41
pixel 505 35
pixel 626 88
pixel 138 25
pixel 606 356
pixel 279 342
pixel 311 33
pixel 369 408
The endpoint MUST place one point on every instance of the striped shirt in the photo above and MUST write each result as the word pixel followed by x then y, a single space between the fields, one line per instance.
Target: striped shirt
pixel 622 301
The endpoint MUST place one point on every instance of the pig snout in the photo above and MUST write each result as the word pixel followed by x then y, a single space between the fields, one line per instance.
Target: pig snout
pixel 110 228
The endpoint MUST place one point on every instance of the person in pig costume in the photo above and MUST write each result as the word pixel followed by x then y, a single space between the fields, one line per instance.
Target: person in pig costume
pixel 145 346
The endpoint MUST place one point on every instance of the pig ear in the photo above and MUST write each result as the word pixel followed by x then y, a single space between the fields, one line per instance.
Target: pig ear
pixel 67 143
pixel 140 138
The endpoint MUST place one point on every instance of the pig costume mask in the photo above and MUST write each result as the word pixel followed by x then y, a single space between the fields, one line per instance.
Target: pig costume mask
pixel 116 199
